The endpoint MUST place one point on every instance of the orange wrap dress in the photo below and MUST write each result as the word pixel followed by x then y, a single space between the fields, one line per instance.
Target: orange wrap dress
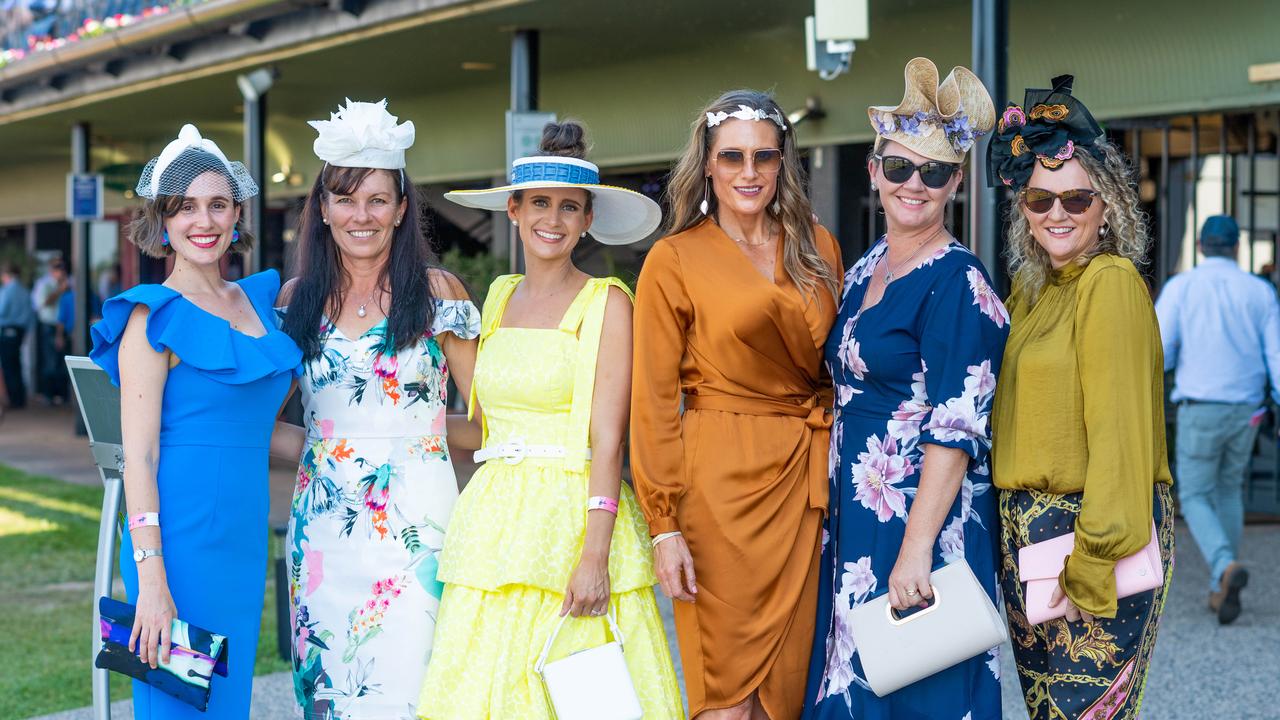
pixel 742 472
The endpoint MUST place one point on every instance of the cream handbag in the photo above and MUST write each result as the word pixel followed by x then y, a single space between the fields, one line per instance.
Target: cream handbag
pixel 590 684
pixel 899 650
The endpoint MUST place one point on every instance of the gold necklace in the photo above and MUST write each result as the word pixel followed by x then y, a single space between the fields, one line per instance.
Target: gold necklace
pixel 891 272
pixel 768 239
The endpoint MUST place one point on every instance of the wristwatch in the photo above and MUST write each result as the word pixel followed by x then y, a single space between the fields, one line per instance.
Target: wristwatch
pixel 139 554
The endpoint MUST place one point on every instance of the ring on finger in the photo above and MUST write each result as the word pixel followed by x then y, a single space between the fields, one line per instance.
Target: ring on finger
pixel 912 592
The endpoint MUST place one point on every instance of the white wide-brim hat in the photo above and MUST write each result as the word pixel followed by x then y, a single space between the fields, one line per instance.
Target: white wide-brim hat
pixel 620 216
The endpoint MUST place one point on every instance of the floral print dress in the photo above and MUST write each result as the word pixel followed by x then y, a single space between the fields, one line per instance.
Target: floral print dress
pixel 374 492
pixel 917 368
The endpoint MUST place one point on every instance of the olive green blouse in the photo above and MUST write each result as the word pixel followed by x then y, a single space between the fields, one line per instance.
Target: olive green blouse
pixel 1080 408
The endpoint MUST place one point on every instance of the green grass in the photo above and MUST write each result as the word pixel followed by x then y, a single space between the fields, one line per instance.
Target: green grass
pixel 48 536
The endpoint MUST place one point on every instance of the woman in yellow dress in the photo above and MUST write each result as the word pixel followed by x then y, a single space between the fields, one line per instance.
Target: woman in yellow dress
pixel 546 527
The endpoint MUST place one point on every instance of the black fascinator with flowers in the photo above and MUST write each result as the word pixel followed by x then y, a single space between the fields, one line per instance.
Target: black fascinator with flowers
pixel 1049 128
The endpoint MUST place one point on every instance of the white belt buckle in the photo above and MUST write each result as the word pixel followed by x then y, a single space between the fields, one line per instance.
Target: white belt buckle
pixel 513 453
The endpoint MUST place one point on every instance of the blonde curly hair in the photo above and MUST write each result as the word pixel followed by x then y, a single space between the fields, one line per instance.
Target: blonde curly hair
pixel 1125 224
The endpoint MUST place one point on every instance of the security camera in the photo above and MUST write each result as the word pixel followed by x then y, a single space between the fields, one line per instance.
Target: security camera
pixel 830 34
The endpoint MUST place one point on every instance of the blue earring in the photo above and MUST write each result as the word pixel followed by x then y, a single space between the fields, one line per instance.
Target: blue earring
pixel 165 240
pixel 235 236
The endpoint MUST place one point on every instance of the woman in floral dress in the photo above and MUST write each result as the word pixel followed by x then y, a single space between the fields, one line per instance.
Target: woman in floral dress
pixel 380 332
pixel 914 356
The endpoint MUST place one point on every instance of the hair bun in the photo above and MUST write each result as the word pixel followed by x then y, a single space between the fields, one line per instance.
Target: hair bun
pixel 564 139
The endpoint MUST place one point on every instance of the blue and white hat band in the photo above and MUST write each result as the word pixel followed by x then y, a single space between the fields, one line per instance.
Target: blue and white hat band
pixel 554 169
pixel 620 215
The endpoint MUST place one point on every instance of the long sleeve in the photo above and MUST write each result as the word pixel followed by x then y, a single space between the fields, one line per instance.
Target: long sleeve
pixel 663 314
pixel 1115 342
pixel 962 346
pixel 1167 307
pixel 1271 344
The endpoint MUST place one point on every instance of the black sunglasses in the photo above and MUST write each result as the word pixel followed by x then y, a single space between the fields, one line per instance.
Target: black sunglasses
pixel 1040 201
pixel 767 160
pixel 933 174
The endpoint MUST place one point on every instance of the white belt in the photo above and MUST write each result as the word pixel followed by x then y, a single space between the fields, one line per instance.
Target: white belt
pixel 512 453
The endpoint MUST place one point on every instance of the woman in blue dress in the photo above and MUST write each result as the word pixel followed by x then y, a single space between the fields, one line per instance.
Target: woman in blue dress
pixel 914 355
pixel 202 372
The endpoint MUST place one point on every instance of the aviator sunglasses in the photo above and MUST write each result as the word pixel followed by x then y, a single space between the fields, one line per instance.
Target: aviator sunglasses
pixel 1040 201
pixel 768 160
pixel 933 174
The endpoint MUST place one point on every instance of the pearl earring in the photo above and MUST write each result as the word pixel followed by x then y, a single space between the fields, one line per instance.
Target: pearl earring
pixel 515 223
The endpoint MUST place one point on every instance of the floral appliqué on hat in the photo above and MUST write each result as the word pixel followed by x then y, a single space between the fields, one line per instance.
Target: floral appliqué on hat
pixel 1056 127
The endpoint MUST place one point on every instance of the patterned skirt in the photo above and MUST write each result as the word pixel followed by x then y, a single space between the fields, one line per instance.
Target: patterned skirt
pixel 1093 671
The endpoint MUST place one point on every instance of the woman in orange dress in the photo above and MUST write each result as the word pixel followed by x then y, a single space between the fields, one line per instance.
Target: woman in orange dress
pixel 732 310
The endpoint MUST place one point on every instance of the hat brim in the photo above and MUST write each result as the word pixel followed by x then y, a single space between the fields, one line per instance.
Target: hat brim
pixel 620 216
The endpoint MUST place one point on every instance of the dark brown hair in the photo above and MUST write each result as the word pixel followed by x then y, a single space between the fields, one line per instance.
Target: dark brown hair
pixel 321 278
pixel 565 139
pixel 146 231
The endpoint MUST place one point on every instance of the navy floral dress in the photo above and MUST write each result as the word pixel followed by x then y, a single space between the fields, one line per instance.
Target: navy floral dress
pixel 917 368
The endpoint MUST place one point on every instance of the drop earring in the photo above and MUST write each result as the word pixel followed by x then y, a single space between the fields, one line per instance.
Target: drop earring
pixel 874 187
pixel 706 192
pixel 235 236
pixel 164 238
pixel 777 206
pixel 953 197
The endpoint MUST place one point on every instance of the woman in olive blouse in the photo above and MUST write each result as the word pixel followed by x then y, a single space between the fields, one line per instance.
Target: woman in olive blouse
pixel 1078 437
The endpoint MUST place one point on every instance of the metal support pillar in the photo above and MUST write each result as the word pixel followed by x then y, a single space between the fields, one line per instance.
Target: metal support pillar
pixel 253 89
pixel 824 184
pixel 524 98
pixel 524 71
pixel 991 64
pixel 80 256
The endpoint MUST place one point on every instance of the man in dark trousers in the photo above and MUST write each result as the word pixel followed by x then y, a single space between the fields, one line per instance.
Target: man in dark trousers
pixel 16 316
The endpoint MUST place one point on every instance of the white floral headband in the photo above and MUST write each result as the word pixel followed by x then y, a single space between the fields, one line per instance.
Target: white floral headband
pixel 746 113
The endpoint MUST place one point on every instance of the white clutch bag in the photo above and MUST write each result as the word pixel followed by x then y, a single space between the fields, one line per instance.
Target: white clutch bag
pixel 590 684
pixel 898 650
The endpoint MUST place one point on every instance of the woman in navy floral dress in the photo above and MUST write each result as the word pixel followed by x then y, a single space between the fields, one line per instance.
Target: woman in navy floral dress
pixel 914 355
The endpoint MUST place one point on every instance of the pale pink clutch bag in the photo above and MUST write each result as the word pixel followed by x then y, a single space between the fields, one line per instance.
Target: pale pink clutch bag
pixel 1039 566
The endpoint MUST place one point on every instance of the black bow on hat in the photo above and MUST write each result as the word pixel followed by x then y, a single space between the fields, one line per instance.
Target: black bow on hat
pixel 1050 127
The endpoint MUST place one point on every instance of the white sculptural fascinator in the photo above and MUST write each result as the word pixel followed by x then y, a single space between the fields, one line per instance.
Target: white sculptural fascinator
pixel 363 135
pixel 183 160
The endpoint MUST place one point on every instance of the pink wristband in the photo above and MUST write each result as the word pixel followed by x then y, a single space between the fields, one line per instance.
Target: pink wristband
pixel 143 520
pixel 599 502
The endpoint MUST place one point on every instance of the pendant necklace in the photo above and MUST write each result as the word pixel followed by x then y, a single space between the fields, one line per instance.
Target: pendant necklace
pixel 891 272
pixel 360 311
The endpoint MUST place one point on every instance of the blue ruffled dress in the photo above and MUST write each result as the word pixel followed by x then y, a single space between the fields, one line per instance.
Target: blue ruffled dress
pixel 218 411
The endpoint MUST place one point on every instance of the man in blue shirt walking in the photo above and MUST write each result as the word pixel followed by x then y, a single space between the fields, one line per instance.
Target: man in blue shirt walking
pixel 1220 328
pixel 16 316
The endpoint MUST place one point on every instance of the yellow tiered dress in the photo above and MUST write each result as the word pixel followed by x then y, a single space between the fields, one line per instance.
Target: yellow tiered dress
pixel 516 534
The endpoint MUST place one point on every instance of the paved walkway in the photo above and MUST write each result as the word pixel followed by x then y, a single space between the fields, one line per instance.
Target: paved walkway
pixel 1200 669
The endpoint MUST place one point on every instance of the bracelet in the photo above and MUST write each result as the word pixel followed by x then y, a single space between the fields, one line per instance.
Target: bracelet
pixel 664 536
pixel 599 502
pixel 144 520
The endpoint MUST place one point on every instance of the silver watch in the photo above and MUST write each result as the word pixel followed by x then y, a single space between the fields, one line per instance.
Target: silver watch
pixel 139 554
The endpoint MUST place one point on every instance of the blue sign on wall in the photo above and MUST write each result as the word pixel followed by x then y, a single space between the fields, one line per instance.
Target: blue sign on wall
pixel 84 197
